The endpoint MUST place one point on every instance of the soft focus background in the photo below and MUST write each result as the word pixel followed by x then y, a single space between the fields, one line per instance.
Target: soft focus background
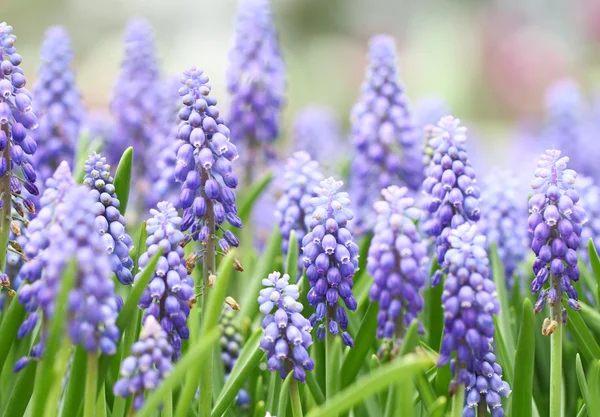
pixel 491 61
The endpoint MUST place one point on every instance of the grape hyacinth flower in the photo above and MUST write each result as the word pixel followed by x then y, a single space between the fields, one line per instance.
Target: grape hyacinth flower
pixel 286 332
pixel 383 132
pixel 470 300
pixel 135 96
pixel 171 290
pixel 57 102
pixel 396 261
pixel 204 164
pixel 148 365
pixel 590 201
pixel 256 81
pixel 504 223
pixel 231 344
pixel 294 209
pixel 110 223
pixel 331 259
pixel 93 305
pixel 429 110
pixel 17 147
pixel 317 131
pixel 555 226
pixel 450 186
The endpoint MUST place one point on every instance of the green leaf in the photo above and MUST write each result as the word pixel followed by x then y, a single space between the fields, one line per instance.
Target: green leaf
pixel 246 201
pixel 86 147
pixel 357 355
pixel 433 314
pixel 123 178
pixel 504 357
pixel 411 338
pixel 314 388
pixel 266 264
pixel 426 392
pixel 9 328
pixel 291 261
pixel 582 382
pixel 582 336
pixel 47 372
pixel 504 320
pixel 522 385
pixel 595 263
pixel 594 386
pixel 591 316
pixel 195 355
pixel 19 398
pixel 259 409
pixel 283 396
pixel 248 361
pixel 398 372
pixel 439 407
pixel 74 394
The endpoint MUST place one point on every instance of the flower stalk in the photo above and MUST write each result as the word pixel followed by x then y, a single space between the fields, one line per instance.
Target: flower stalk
pixel 556 352
pixel 5 212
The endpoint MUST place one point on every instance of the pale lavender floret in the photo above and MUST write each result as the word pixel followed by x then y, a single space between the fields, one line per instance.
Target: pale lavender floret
pixel 58 103
pixel 135 97
pixel 450 186
pixel 110 223
pixel 287 335
pixel 255 78
pixel 204 161
pixel 429 110
pixel 470 301
pixel 170 291
pixel 318 132
pixel 396 263
pixel 17 120
pixel 92 303
pixel 149 364
pixel 505 222
pixel 330 257
pixel 385 137
pixel 555 226
pixel 294 209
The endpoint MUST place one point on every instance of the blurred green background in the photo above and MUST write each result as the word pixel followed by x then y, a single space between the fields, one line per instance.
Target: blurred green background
pixel 489 60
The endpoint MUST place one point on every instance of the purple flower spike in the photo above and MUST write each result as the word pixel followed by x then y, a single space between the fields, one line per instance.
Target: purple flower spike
pixel 396 260
pixel 93 305
pixel 109 222
pixel 330 257
pixel 170 290
pixel 17 120
pixel 287 335
pixel 204 160
pixel 555 226
pixel 294 209
pixel 590 201
pixel 384 134
pixel 450 186
pixel 504 224
pixel 255 79
pixel 470 301
pixel 135 97
pixel 57 102
pixel 318 132
pixel 148 365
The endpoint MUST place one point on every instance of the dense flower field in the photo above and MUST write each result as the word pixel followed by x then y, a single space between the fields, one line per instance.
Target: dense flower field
pixel 178 259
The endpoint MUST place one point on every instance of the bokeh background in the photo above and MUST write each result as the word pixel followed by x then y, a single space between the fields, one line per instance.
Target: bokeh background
pixel 490 61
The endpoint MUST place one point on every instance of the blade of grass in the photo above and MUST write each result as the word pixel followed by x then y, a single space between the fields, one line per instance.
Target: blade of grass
pixel 357 355
pixel 504 320
pixel 123 179
pixel 283 396
pixel 433 313
pixel 8 330
pixel 21 394
pixel 291 262
pixel 582 336
pixel 246 201
pixel 522 397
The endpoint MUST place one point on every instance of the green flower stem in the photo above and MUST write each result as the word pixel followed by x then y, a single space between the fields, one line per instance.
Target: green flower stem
pixel 209 268
pixel 556 352
pixel 7 208
pixel 91 381
pixel 296 402
pixel 330 365
pixel 458 401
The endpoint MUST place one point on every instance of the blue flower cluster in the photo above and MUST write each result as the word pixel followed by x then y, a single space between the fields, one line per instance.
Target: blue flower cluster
pixel 170 291
pixel 17 120
pixel 505 222
pixel 148 365
pixel 331 259
pixel 470 301
pixel 93 305
pixel 384 135
pixel 555 226
pixel 204 162
pixel 450 186
pixel 294 209
pixel 396 263
pixel 255 77
pixel 286 332
pixel 57 102
pixel 110 223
